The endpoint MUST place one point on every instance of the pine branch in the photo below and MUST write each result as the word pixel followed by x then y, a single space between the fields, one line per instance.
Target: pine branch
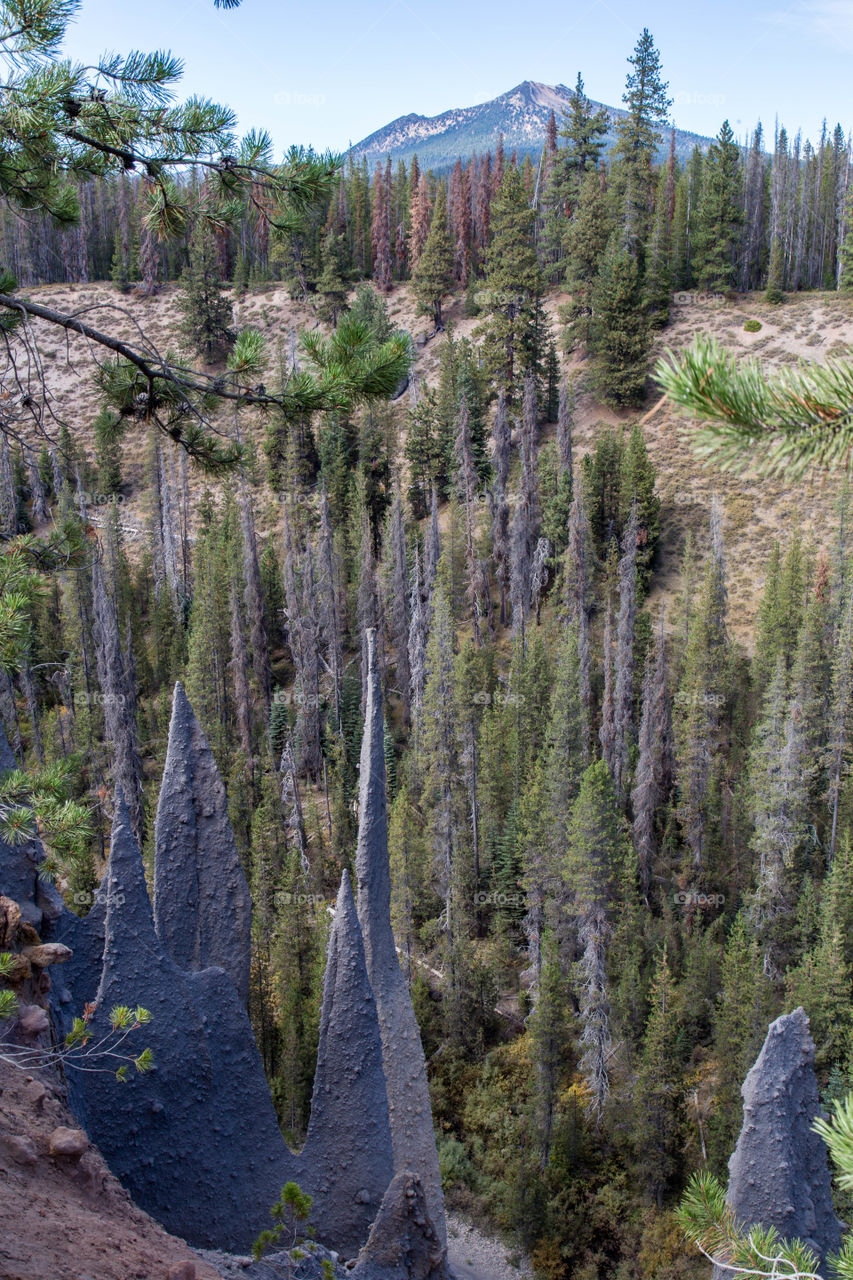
pixel 782 423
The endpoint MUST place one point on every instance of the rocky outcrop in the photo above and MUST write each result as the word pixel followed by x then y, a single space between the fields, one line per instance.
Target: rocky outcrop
pixel 202 904
pixel 64 1213
pixel 405 1069
pixel 27 1033
pixel 347 1155
pixel 403 1243
pixel 196 1140
pixel 778 1174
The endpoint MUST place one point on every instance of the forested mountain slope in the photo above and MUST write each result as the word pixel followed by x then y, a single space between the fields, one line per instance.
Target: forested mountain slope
pixel 758 510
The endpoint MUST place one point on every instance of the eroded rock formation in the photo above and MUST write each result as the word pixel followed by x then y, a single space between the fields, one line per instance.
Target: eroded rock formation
pixel 196 1141
pixel 202 904
pixel 778 1174
pixel 347 1156
pixel 405 1069
pixel 403 1243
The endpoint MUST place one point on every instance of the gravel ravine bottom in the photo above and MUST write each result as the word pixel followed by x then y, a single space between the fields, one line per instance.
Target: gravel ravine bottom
pixel 475 1256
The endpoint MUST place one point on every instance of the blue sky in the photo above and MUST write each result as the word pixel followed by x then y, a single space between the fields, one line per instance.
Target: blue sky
pixel 328 73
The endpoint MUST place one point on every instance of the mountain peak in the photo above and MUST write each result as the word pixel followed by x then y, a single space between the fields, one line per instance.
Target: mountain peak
pixel 521 114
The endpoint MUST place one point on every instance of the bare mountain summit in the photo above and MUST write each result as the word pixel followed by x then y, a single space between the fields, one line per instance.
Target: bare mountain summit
pixel 521 115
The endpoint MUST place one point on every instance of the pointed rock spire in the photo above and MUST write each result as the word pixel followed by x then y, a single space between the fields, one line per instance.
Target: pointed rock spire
pixel 349 1106
pixel 405 1069
pixel 196 1140
pixel 778 1174
pixel 403 1241
pixel 202 904
pixel 372 863
pixel 130 940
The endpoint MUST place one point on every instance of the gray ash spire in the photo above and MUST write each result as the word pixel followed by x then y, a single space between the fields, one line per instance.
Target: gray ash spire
pixel 778 1175
pixel 405 1069
pixel 349 1106
pixel 202 905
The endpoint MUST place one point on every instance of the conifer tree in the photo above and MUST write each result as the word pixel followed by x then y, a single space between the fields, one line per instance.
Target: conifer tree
pixel 526 519
pixel 720 214
pixel 417 643
pixel 513 329
pixel 838 743
pixel 638 136
pixel 620 338
pixel 702 698
pixel 778 799
pixel 595 851
pixel 433 274
pixel 563 765
pixel 381 229
pixel 740 1023
pixel 119 699
pixel 658 1090
pixel 332 286
pixel 253 598
pixel 845 250
pixel 607 732
pixel 548 1038
pixel 108 435
pixel 432 549
pixel 623 700
pixel 477 586
pixel 499 502
pixel 586 240
pixel 657 277
pixel 441 774
pixel 578 576
pixel 421 216
pixel 637 480
pixel 585 132
pixel 398 602
pixel 207 321
pixel 653 778
pixel 239 666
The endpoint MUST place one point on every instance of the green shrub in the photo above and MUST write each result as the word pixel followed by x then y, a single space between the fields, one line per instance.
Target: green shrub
pixel 455 1163
pixel 752 326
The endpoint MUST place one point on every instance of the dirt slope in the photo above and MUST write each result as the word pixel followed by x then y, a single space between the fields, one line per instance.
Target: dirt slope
pixel 66 1218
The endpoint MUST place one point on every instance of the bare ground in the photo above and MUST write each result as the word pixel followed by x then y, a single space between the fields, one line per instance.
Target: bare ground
pixel 68 1219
